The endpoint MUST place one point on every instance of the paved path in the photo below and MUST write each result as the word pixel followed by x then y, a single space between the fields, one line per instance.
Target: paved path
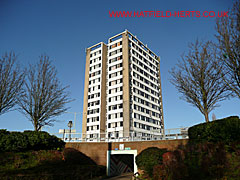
pixel 127 176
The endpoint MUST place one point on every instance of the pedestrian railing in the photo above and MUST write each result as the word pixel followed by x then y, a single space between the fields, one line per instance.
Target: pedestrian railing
pixel 167 134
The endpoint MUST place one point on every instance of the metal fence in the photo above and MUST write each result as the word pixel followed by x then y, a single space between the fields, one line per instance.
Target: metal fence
pixel 168 134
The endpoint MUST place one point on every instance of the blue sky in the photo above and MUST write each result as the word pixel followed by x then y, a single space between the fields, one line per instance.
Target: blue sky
pixel 64 28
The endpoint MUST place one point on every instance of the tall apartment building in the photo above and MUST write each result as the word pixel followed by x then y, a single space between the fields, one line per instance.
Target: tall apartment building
pixel 122 93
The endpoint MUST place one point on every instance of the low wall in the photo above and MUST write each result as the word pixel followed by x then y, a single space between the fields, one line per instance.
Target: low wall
pixel 97 151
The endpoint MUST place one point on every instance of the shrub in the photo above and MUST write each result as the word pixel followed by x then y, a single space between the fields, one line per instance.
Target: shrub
pixel 159 172
pixel 3 133
pixel 194 161
pixel 40 140
pixel 15 141
pixel 28 140
pixel 206 160
pixel 225 130
pixel 173 165
pixel 148 158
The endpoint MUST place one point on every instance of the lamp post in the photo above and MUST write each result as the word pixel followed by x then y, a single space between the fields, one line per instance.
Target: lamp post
pixel 75 117
pixel 70 124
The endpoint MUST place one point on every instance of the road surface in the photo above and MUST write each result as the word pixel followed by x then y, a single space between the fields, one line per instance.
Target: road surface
pixel 127 176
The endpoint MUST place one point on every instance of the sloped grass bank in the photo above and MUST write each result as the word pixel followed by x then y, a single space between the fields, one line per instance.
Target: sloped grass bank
pixel 49 165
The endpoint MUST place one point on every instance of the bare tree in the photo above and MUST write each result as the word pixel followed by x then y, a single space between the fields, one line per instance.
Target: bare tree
pixel 11 81
pixel 44 98
pixel 228 35
pixel 197 79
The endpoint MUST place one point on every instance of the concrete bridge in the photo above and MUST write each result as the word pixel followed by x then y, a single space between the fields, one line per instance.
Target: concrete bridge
pixel 119 157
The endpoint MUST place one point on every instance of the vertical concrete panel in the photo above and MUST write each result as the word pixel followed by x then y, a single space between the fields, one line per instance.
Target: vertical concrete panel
pixel 126 86
pixel 103 90
pixel 85 98
pixel 160 93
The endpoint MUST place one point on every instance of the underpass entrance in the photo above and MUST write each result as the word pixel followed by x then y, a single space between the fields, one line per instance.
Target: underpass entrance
pixel 121 162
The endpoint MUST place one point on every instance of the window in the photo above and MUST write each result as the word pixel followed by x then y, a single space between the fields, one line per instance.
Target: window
pixel 113 46
pixel 121 123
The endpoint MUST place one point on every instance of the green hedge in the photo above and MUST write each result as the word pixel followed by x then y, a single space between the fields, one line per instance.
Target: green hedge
pixel 148 158
pixel 225 130
pixel 28 140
